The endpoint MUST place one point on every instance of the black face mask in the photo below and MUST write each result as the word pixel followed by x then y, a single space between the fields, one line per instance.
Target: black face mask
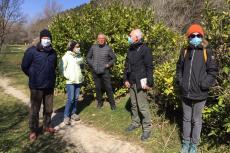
pixel 101 45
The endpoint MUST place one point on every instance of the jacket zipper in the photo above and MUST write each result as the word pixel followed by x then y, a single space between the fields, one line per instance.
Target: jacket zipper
pixel 190 72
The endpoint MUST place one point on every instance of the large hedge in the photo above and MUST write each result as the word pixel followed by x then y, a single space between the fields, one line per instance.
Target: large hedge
pixel 117 21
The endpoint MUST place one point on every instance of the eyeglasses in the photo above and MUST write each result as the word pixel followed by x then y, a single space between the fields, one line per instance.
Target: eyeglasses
pixel 197 35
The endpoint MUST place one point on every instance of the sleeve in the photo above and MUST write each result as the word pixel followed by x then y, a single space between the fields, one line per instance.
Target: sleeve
pixel 148 60
pixel 125 74
pixel 26 61
pixel 89 57
pixel 113 57
pixel 179 69
pixel 64 64
pixel 211 70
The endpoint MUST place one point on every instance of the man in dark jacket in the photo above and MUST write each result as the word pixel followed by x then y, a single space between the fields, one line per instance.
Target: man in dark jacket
pixel 138 77
pixel 39 64
pixel 196 72
pixel 101 58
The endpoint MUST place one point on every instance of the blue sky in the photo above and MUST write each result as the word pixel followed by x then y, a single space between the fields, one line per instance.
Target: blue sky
pixel 32 8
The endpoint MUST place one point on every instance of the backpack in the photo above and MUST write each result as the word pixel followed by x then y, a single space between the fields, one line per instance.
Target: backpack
pixel 204 52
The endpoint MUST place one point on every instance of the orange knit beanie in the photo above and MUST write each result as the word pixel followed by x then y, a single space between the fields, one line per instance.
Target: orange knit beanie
pixel 195 28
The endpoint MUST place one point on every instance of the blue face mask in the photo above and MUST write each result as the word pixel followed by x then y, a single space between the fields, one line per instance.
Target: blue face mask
pixel 130 41
pixel 195 41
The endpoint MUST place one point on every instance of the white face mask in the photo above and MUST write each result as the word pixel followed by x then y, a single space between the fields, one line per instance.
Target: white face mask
pixel 45 42
pixel 77 50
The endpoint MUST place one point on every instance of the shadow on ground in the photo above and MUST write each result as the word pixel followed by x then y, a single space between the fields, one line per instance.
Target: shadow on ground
pixel 14 132
pixel 82 104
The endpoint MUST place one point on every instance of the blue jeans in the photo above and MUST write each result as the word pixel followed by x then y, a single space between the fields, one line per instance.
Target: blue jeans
pixel 73 91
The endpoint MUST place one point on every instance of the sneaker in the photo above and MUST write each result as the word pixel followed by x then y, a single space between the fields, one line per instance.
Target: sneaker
pixel 193 148
pixel 33 136
pixel 131 128
pixel 75 117
pixel 49 130
pixel 66 121
pixel 145 135
pixel 185 146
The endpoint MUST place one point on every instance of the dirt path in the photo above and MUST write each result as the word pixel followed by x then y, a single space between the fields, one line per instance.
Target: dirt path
pixel 91 139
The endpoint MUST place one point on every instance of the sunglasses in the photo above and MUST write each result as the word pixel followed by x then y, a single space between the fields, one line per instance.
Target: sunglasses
pixel 197 35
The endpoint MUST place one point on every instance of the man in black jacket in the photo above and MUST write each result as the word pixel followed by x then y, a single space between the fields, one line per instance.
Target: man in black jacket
pixel 39 64
pixel 101 58
pixel 138 77
pixel 196 72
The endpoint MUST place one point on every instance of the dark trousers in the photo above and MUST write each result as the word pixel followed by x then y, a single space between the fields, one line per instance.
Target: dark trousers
pixel 100 80
pixel 192 119
pixel 38 96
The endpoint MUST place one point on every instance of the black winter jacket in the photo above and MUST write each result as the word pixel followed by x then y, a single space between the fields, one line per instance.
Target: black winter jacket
pixel 193 74
pixel 139 64
pixel 40 66
pixel 99 56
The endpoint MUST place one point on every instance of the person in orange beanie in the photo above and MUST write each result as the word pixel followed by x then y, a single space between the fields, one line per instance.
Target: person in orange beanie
pixel 195 73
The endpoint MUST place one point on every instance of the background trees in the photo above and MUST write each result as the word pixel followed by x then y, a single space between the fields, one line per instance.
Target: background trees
pixel 10 15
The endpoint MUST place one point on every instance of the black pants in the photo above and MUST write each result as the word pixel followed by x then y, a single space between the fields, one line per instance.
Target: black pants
pixel 37 96
pixel 100 80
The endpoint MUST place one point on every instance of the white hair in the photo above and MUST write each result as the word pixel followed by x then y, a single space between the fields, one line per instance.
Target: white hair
pixel 138 33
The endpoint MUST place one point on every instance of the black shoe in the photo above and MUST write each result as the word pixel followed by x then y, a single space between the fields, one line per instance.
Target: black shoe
pixel 131 128
pixel 113 108
pixel 99 105
pixel 145 135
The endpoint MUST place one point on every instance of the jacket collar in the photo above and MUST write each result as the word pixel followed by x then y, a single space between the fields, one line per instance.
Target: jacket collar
pixel 191 47
pixel 134 46
pixel 43 49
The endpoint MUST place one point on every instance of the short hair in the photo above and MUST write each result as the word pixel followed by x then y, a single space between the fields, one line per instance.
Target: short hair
pixel 138 33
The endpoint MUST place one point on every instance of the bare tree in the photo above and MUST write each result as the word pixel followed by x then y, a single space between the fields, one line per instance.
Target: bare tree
pixel 10 14
pixel 52 8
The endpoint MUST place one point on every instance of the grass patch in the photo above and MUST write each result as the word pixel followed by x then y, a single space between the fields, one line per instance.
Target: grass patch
pixel 14 119
pixel 14 130
pixel 10 66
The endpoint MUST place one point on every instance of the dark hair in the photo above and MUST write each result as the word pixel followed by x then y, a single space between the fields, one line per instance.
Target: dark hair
pixel 72 44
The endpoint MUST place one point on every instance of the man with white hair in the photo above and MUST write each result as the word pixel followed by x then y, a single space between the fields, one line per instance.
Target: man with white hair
pixel 138 77
pixel 101 58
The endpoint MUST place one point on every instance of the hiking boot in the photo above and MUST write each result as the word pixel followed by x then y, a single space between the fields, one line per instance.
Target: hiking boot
pixel 33 136
pixel 99 105
pixel 49 130
pixel 66 121
pixel 193 148
pixel 113 107
pixel 185 146
pixel 131 128
pixel 75 117
pixel 145 135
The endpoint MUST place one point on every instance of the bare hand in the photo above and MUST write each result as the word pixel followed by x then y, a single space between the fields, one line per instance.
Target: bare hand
pixel 107 65
pixel 146 87
pixel 127 84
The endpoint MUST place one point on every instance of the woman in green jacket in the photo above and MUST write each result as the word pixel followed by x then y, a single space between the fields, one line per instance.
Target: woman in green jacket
pixel 71 68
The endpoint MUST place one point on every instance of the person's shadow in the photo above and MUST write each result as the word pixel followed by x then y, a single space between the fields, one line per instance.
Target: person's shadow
pixel 58 114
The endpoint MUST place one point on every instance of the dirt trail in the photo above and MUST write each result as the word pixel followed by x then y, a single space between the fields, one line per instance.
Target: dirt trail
pixel 91 139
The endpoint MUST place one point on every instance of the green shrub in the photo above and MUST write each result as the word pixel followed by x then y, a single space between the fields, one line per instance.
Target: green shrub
pixel 116 22
pixel 216 114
